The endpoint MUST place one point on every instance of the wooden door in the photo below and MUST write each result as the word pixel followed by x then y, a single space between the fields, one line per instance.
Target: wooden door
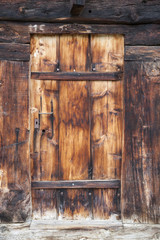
pixel 76 111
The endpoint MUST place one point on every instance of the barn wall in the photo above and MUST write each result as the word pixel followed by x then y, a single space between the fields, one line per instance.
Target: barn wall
pixel 139 23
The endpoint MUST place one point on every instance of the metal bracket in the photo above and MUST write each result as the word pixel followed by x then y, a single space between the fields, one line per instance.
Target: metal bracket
pixel 36 123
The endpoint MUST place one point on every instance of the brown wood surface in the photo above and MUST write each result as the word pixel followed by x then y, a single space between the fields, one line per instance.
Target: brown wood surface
pixel 14 51
pixel 76 7
pixel 77 76
pixel 106 11
pixel 76 184
pixel 77 106
pixel 140 169
pixel 14 142
pixel 74 129
pixel 74 135
pixel 19 32
pixel 106 109
pixel 142 53
pixel 44 204
pixel 44 140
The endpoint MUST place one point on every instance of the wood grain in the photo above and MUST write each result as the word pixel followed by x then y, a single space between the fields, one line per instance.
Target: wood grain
pixel 74 129
pixel 76 184
pixel 14 144
pixel 79 76
pixel 106 109
pixel 74 136
pixel 140 177
pixel 44 54
pixel 106 12
pixel 14 51
pixel 142 53
pixel 44 204
pixel 19 32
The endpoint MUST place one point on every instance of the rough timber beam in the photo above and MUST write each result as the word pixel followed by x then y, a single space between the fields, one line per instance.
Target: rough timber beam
pixel 76 7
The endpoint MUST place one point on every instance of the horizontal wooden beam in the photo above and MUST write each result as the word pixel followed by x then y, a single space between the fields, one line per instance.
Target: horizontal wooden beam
pixel 107 11
pixel 14 51
pixel 19 32
pixel 77 76
pixel 142 53
pixel 76 184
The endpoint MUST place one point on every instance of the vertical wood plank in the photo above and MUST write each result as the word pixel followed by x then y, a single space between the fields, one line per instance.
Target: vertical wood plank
pixel 140 169
pixel 14 134
pixel 74 129
pixel 107 55
pixel 44 204
pixel 44 97
pixel 44 55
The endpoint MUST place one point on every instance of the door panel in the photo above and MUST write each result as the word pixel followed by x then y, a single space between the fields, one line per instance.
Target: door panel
pixel 79 131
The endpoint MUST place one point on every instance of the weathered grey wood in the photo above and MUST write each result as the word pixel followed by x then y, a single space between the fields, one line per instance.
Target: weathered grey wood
pixel 76 7
pixel 76 184
pixel 108 232
pixel 19 32
pixel 107 11
pixel 16 52
pixel 139 53
pixel 77 76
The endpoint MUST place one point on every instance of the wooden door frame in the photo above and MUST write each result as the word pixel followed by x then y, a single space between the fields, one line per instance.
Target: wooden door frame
pixel 56 29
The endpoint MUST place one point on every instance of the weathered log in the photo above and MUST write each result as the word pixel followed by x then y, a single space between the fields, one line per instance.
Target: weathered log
pixel 106 11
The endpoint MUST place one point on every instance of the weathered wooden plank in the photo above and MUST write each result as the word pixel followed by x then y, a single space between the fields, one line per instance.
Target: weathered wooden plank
pixel 44 138
pixel 106 114
pixel 107 12
pixel 74 138
pixel 19 32
pixel 74 129
pixel 76 7
pixel 77 76
pixel 44 55
pixel 14 51
pixel 44 134
pixel 44 204
pixel 140 169
pixel 142 53
pixel 106 204
pixel 15 202
pixel 76 184
pixel 75 204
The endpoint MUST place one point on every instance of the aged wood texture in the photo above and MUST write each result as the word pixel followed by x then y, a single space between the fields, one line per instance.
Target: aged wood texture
pixel 74 129
pixel 79 76
pixel 44 204
pixel 44 56
pixel 106 110
pixel 76 7
pixel 84 109
pixel 15 51
pixel 142 53
pixel 44 137
pixel 19 32
pixel 14 142
pixel 76 184
pixel 141 168
pixel 107 11
pixel 74 136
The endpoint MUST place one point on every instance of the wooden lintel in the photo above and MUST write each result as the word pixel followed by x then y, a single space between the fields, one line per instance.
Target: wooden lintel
pixel 76 7
pixel 114 183
pixel 77 76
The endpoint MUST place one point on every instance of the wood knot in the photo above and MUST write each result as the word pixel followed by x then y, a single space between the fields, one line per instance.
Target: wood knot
pixel 1 83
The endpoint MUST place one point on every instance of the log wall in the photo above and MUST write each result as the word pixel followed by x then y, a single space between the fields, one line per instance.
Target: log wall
pixel 139 22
